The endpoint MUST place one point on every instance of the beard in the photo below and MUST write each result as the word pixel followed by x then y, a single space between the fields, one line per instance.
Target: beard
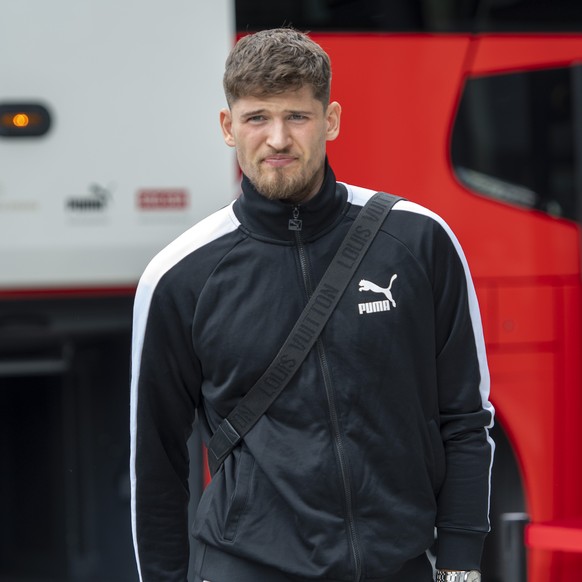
pixel 276 184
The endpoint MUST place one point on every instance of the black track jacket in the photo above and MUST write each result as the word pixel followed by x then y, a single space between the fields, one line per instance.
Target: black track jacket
pixel 381 435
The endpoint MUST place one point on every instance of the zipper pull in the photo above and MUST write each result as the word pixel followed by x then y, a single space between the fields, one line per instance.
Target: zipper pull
pixel 295 223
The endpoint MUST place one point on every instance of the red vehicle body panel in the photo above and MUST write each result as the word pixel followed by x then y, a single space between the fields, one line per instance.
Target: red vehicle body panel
pixel 400 94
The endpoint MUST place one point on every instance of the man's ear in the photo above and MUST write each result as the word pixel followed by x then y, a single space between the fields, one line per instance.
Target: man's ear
pixel 332 118
pixel 226 126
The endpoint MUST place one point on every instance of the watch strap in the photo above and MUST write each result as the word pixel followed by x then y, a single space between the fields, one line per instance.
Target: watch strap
pixel 457 576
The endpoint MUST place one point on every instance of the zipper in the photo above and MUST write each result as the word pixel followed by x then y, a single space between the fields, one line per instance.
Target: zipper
pixel 295 224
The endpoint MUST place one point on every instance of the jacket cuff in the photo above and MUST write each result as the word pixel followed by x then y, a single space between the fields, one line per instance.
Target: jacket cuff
pixel 459 549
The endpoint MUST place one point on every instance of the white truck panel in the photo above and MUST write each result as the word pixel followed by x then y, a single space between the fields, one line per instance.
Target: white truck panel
pixel 134 88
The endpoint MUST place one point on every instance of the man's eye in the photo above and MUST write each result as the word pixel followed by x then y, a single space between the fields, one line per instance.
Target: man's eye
pixel 256 118
pixel 297 117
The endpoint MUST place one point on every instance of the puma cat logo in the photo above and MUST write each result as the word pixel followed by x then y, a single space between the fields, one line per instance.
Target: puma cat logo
pixel 369 286
pixel 375 306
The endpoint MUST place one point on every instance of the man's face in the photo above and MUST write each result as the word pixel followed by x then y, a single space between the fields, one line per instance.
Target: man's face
pixel 280 141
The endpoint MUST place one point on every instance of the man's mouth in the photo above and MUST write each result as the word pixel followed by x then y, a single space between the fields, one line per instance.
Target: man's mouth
pixel 279 160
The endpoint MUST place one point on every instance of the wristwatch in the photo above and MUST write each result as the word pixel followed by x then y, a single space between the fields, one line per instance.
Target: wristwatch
pixel 458 576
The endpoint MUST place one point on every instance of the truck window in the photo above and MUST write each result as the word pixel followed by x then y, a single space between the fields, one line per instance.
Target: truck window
pixel 514 139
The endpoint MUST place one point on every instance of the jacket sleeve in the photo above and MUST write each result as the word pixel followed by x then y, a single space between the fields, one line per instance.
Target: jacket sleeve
pixel 164 395
pixel 466 414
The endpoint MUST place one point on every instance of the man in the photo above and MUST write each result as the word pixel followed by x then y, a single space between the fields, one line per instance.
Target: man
pixel 380 436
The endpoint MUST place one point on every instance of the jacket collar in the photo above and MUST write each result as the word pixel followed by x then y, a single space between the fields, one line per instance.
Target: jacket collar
pixel 269 219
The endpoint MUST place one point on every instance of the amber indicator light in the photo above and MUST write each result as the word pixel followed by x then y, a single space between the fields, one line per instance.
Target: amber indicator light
pixel 24 120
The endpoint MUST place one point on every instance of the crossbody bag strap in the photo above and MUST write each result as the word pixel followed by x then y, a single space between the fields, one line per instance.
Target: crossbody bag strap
pixel 311 322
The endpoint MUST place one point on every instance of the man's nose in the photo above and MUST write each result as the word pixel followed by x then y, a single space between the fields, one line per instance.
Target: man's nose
pixel 278 137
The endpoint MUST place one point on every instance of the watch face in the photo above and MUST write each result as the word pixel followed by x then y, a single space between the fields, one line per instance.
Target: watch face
pixel 473 576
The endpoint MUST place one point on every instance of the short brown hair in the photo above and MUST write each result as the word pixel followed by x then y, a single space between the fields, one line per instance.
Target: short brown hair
pixel 273 61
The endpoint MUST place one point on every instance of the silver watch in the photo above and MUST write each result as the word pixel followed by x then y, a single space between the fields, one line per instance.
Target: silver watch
pixel 458 576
